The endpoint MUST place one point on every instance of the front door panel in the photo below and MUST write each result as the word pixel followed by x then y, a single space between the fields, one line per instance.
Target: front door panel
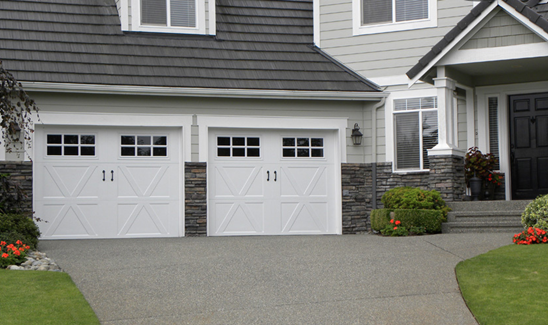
pixel 529 145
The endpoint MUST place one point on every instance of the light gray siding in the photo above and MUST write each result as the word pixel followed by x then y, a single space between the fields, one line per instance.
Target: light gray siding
pixel 501 30
pixel 354 111
pixel 461 123
pixel 383 54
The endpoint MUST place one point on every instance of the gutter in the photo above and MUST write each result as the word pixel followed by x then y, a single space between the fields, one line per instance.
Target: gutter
pixel 202 92
pixel 374 152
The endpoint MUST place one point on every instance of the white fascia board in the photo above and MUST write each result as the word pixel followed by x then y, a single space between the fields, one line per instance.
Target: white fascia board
pixel 212 18
pixel 490 54
pixel 524 20
pixel 202 92
pixel 316 22
pixel 465 33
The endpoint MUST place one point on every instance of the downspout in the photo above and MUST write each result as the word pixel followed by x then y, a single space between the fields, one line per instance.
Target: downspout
pixel 374 151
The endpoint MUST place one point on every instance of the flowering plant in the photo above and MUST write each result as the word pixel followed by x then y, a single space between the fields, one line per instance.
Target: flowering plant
pixel 11 254
pixel 395 229
pixel 481 165
pixel 531 236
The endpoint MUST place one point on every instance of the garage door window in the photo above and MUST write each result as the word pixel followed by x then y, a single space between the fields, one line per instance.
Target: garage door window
pixel 70 145
pixel 238 147
pixel 302 147
pixel 143 146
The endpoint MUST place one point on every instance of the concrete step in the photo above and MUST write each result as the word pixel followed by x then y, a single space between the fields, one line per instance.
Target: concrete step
pixel 475 227
pixel 484 216
pixel 516 205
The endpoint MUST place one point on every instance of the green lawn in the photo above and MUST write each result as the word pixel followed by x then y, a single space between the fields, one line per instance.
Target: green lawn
pixel 39 297
pixel 508 285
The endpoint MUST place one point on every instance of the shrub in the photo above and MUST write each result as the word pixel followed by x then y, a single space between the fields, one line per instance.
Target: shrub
pixel 536 214
pixel 531 236
pixel 412 220
pixel 12 254
pixel 14 227
pixel 414 198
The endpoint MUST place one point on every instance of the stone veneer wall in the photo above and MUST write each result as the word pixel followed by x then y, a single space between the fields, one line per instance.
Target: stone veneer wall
pixel 195 199
pixel 20 174
pixel 446 175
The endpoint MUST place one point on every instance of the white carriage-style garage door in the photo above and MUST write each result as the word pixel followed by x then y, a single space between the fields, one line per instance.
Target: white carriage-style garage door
pixel 107 182
pixel 272 182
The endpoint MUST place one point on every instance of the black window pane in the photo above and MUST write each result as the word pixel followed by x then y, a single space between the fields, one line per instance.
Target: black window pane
pixel 289 152
pixel 128 139
pixel 87 151
pixel 54 138
pixel 160 141
pixel 302 142
pixel 253 152
pixel 303 153
pixel 143 140
pixel 255 142
pixel 71 151
pixel 54 151
pixel 317 142
pixel 288 142
pixel 71 139
pixel 223 152
pixel 317 152
pixel 159 152
pixel 237 141
pixel 223 141
pixel 143 151
pixel 128 151
pixel 238 152
pixel 87 139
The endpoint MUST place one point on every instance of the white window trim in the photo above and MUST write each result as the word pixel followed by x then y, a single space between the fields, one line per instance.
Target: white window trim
pixel 359 29
pixel 136 21
pixel 389 118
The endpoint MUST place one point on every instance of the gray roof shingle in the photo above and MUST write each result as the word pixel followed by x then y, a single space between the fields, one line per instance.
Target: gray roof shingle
pixel 535 12
pixel 260 44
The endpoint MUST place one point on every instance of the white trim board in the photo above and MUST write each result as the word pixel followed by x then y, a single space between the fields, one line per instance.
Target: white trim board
pixel 201 92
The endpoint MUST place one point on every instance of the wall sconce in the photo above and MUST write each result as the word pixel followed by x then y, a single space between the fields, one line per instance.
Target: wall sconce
pixel 356 135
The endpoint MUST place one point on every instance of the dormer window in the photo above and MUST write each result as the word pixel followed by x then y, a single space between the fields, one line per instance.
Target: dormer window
pixel 168 13
pixel 167 16
pixel 382 16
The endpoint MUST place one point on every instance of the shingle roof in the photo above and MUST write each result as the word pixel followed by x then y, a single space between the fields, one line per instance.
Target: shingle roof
pixel 260 44
pixel 535 12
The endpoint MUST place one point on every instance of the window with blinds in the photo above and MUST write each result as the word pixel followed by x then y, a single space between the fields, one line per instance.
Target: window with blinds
pixel 493 104
pixel 169 13
pixel 390 11
pixel 416 131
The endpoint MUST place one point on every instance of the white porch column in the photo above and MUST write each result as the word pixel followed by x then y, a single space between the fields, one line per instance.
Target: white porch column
pixel 446 111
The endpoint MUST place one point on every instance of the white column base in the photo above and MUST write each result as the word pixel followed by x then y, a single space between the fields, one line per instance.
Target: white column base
pixel 446 150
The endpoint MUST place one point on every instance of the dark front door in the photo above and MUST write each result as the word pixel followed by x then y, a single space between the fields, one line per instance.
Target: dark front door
pixel 529 145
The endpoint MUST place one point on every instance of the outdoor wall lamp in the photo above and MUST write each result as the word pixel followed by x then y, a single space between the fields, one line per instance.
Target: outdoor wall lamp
pixel 356 135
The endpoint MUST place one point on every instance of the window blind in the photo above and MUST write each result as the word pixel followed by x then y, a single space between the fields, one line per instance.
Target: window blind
pixel 411 10
pixel 494 127
pixel 376 11
pixel 407 141
pixel 153 12
pixel 183 13
pixel 429 135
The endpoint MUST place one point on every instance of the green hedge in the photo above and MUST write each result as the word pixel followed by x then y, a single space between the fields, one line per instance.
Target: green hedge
pixel 414 198
pixel 429 219
pixel 14 227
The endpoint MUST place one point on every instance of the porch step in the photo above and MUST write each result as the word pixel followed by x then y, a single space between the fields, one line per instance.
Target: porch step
pixel 485 216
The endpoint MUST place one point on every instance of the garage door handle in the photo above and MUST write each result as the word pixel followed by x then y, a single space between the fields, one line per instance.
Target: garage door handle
pixel 268 175
pixel 103 175
pixel 275 175
pixel 112 175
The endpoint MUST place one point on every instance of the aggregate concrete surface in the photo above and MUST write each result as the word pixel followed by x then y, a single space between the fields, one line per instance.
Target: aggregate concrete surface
pixel 351 279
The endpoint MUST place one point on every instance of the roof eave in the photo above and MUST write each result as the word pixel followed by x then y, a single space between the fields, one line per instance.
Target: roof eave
pixel 202 92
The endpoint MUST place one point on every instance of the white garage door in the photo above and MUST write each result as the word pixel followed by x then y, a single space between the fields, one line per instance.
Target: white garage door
pixel 107 182
pixel 272 183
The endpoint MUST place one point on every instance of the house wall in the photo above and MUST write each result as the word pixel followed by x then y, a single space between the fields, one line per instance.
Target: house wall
pixel 354 111
pixel 383 54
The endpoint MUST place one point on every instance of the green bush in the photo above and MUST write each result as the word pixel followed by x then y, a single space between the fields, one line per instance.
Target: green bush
pixel 429 219
pixel 15 227
pixel 379 219
pixel 414 198
pixel 536 213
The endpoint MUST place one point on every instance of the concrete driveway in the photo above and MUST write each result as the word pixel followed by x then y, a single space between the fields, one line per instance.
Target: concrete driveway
pixel 352 279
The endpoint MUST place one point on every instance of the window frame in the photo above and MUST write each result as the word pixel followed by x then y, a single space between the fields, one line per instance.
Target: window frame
pixel 359 29
pixel 136 25
pixel 136 145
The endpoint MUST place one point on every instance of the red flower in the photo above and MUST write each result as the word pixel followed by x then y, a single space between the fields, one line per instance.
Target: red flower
pixel 395 228
pixel 398 222
pixel 5 255
pixel 391 220
pixel 27 247
pixel 19 242
pixel 2 243
pixel 17 253
pixel 21 249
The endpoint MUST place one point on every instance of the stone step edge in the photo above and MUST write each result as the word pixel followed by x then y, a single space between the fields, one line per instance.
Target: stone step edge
pixel 485 213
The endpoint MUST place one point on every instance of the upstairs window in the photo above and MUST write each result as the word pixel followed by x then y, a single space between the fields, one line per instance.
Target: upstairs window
pixel 382 16
pixel 168 13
